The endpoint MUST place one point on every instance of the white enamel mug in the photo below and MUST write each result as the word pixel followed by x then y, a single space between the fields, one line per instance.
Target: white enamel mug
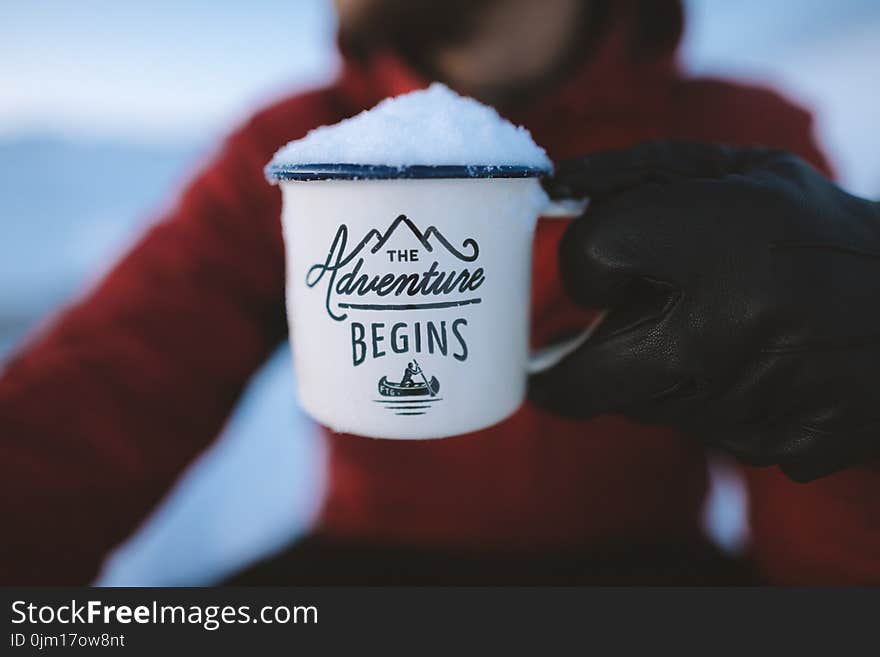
pixel 408 294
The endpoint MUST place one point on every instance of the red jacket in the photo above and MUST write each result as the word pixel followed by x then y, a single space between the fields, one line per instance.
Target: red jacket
pixel 102 411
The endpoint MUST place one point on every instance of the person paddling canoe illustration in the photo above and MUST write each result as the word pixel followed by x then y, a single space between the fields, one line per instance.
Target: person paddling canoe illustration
pixel 411 368
pixel 413 382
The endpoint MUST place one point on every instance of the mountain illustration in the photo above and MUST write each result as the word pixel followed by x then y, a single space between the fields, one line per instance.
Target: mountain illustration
pixel 423 237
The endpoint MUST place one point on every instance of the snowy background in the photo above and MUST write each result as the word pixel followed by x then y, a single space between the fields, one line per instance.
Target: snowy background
pixel 125 99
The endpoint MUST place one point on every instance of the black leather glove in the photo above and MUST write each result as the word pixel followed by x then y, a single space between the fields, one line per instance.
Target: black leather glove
pixel 744 297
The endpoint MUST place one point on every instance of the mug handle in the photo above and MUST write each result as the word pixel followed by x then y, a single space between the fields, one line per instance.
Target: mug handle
pixel 546 357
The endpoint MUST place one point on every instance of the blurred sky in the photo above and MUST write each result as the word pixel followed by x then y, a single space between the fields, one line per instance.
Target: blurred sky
pixel 153 70
pixel 126 97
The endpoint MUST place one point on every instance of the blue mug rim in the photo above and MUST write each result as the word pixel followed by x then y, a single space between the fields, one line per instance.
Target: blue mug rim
pixel 328 171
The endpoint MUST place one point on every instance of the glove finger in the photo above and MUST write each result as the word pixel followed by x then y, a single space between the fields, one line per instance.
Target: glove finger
pixel 620 367
pixel 811 452
pixel 611 172
pixel 611 257
pixel 802 452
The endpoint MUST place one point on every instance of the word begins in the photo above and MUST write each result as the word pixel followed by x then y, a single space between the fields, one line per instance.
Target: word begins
pixel 401 338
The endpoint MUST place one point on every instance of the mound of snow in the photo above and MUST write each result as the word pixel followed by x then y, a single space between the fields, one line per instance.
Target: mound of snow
pixel 433 126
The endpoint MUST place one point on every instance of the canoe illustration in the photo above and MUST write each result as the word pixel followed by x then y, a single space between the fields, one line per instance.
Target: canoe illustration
pixel 412 383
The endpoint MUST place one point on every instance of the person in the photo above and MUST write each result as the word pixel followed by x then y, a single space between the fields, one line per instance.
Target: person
pixel 407 379
pixel 101 411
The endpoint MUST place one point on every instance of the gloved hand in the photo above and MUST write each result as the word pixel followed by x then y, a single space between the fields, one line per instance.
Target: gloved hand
pixel 744 298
